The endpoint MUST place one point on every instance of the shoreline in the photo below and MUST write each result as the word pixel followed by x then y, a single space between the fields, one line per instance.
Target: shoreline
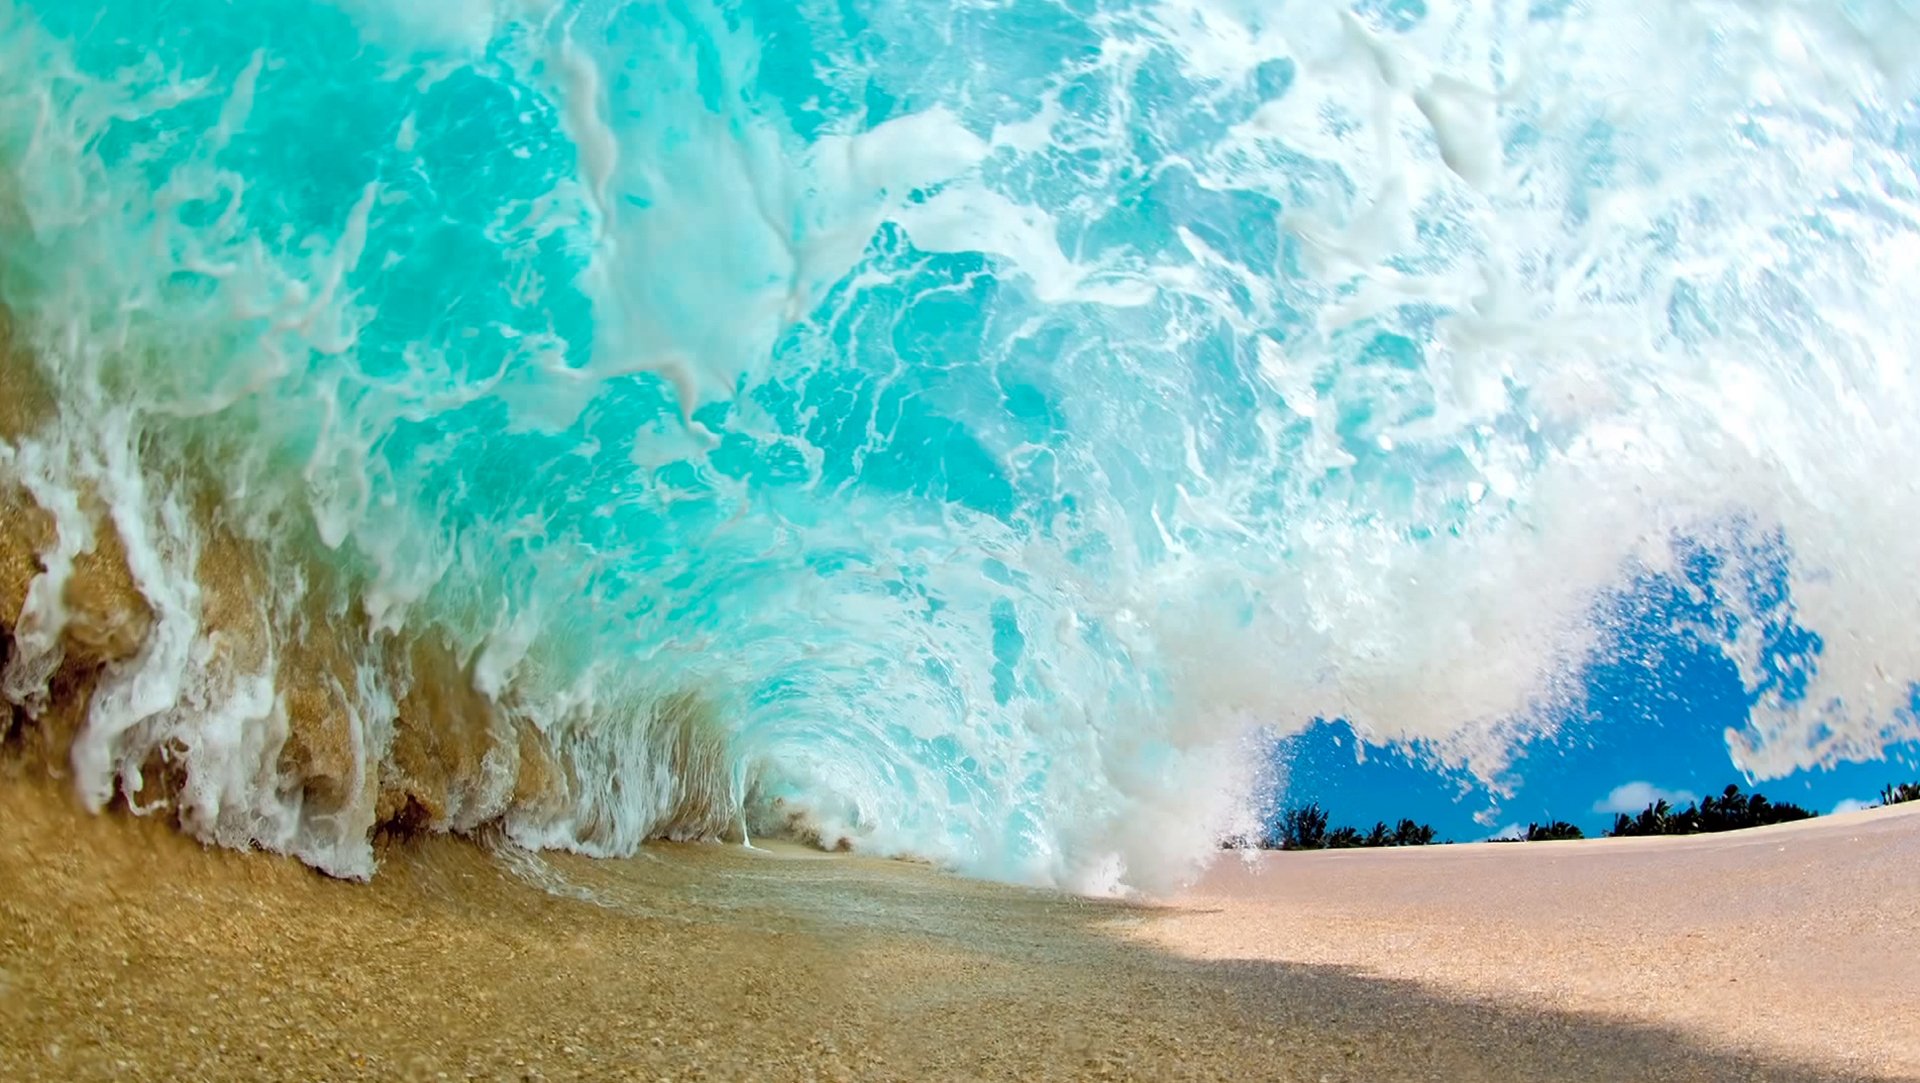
pixel 132 952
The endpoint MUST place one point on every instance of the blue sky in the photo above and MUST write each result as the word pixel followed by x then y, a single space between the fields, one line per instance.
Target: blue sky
pixel 1656 709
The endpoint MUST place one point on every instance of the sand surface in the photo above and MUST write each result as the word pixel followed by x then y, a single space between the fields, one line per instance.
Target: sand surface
pixel 1802 940
pixel 129 952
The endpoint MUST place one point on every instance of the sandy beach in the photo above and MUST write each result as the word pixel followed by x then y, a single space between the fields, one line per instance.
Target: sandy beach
pixel 130 952
pixel 1797 941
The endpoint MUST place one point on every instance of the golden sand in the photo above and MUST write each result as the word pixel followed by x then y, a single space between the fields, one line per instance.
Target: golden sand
pixel 130 952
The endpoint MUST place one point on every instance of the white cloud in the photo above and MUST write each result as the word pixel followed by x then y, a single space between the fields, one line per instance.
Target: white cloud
pixel 1852 804
pixel 1631 797
pixel 1511 831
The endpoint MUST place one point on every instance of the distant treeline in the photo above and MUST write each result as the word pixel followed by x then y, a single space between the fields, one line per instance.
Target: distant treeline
pixel 1731 811
pixel 1306 827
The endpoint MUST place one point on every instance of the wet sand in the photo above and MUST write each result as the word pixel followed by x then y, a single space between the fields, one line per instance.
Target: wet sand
pixel 129 952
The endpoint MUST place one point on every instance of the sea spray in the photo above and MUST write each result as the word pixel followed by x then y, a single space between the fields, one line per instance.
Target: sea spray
pixel 952 434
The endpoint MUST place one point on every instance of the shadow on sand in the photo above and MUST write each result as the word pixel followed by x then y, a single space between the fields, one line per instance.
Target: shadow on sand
pixel 127 951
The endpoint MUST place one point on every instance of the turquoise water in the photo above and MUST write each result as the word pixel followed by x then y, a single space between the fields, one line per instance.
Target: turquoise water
pixel 1003 418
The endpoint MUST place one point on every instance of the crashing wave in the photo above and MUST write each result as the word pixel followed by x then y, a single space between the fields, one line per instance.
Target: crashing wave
pixel 955 434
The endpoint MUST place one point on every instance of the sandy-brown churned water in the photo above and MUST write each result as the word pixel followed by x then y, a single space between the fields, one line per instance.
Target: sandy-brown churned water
pixel 130 952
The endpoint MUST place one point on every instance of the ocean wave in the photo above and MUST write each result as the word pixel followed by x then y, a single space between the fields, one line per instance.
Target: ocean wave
pixel 967 435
